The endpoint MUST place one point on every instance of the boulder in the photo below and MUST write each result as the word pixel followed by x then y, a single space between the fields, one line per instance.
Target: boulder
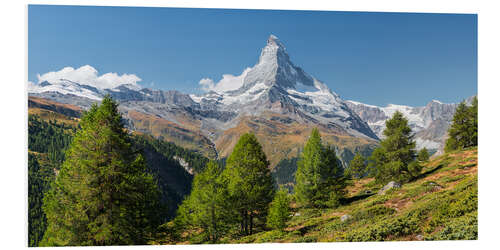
pixel 345 217
pixel 389 186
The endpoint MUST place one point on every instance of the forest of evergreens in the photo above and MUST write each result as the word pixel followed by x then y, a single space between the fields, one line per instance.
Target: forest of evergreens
pixel 97 184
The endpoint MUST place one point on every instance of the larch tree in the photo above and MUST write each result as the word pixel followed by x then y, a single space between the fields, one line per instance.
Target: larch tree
pixel 206 207
pixel 102 195
pixel 279 210
pixel 319 179
pixel 395 159
pixel 357 166
pixel 249 182
pixel 423 155
pixel 463 130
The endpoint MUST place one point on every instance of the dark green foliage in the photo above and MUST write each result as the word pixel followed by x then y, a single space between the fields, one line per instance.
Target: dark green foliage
pixel 102 194
pixel 39 179
pixel 357 167
pixel 463 131
pixel 284 172
pixel 395 158
pixel 53 138
pixel 423 155
pixel 397 227
pixel 50 137
pixel 163 162
pixel 195 160
pixel 249 182
pixel 372 212
pixel 462 228
pixel 206 207
pixel 319 177
pixel 279 211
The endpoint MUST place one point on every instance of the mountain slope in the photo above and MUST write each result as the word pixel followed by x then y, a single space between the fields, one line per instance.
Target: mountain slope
pixel 275 99
pixel 430 123
pixel 441 205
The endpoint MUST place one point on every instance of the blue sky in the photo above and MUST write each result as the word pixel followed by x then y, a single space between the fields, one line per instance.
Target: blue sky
pixel 375 58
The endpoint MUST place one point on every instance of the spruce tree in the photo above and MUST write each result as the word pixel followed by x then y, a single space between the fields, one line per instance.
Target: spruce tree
pixel 395 160
pixel 206 207
pixel 463 130
pixel 319 179
pixel 279 211
pixel 102 194
pixel 423 155
pixel 357 166
pixel 249 182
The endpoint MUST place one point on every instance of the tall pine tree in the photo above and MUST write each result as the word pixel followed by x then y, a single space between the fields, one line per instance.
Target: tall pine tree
pixel 319 180
pixel 249 182
pixel 102 194
pixel 463 131
pixel 206 207
pixel 395 158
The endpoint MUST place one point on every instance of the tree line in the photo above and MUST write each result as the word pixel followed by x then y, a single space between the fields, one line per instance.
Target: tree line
pixel 397 159
pixel 48 141
pixel 104 195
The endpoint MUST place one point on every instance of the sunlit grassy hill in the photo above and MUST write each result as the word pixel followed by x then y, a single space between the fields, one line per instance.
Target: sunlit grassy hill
pixel 440 205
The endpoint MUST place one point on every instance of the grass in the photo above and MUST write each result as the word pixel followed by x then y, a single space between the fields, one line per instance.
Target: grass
pixel 442 205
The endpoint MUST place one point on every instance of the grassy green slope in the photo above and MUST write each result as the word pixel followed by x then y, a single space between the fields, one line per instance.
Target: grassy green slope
pixel 440 205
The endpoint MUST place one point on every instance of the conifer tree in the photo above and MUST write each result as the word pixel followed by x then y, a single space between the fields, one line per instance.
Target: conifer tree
pixel 395 159
pixel 206 207
pixel 279 211
pixel 423 155
pixel 307 177
pixel 102 194
pixel 357 166
pixel 319 178
pixel 463 131
pixel 249 182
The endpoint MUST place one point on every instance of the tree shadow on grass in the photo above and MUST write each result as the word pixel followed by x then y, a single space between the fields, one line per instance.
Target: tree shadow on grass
pixel 347 201
pixel 425 174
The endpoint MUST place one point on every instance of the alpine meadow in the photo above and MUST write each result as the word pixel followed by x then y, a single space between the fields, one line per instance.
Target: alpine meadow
pixel 273 155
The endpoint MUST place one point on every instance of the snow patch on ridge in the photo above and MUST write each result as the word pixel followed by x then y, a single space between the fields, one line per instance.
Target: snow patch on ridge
pixel 251 95
pixel 413 117
pixel 64 87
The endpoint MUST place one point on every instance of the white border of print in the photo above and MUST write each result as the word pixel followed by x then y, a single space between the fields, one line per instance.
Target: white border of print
pixel 13 127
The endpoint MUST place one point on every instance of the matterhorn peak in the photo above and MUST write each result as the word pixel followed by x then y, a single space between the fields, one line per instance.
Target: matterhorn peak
pixel 273 52
pixel 274 41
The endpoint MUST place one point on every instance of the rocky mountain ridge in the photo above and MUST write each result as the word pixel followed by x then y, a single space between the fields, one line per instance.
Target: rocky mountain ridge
pixel 275 99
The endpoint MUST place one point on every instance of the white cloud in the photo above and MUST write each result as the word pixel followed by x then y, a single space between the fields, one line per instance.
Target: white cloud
pixel 88 75
pixel 228 82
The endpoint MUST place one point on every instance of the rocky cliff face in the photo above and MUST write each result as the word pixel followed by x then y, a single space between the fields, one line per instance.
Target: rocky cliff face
pixel 430 123
pixel 275 99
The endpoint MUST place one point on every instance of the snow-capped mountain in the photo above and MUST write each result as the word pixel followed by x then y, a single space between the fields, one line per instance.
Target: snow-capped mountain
pixel 275 99
pixel 276 84
pixel 430 123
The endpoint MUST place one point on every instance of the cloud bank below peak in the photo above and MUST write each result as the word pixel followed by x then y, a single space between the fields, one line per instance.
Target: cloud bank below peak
pixel 88 75
pixel 227 83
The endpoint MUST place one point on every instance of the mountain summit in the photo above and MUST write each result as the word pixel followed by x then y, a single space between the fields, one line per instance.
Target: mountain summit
pixel 275 68
pixel 275 99
pixel 275 84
